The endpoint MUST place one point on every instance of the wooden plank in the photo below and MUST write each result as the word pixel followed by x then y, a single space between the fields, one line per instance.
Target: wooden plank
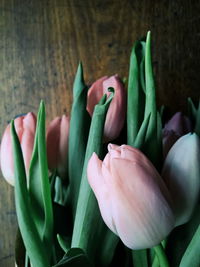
pixel 42 42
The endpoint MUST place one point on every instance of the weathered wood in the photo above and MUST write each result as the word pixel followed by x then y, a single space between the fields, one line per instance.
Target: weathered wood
pixel 41 43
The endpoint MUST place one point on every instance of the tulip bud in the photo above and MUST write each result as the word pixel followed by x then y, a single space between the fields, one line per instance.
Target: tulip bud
pixel 179 123
pixel 116 112
pixel 181 173
pixel 169 138
pixel 177 126
pixel 57 145
pixel 133 199
pixel 25 127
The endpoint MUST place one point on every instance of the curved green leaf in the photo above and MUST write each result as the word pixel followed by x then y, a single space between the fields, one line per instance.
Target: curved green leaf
pixel 34 246
pixel 75 257
pixel 191 256
pixel 78 135
pixel 88 224
pixel 135 105
pixel 39 185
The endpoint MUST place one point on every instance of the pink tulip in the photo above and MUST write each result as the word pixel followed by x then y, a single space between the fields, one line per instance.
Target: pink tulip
pixel 177 126
pixel 116 112
pixel 25 127
pixel 133 199
pixel 57 144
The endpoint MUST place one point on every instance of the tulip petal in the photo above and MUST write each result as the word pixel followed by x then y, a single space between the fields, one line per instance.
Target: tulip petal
pixel 181 173
pixel 27 138
pixel 169 138
pixel 116 112
pixel 25 126
pixel 53 138
pixel 7 165
pixel 138 204
pixel 95 93
pixel 97 183
pixel 63 146
pixel 179 123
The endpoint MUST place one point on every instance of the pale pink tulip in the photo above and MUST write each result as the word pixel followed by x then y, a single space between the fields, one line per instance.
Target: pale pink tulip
pixel 181 172
pixel 25 127
pixel 133 199
pixel 177 126
pixel 116 113
pixel 57 145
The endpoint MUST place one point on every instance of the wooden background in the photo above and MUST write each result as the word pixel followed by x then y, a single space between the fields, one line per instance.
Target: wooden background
pixel 42 41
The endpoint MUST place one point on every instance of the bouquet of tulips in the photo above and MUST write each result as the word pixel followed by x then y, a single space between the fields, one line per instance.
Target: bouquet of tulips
pixel 113 185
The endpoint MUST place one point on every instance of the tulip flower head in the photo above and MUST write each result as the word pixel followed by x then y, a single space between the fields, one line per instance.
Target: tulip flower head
pixel 179 123
pixel 25 127
pixel 133 199
pixel 176 127
pixel 181 172
pixel 116 113
pixel 57 145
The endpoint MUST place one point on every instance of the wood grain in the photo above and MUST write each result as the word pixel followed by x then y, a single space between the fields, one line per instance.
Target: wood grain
pixel 41 43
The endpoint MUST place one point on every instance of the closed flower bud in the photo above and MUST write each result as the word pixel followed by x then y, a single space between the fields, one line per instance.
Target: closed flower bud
pixel 133 199
pixel 169 138
pixel 177 126
pixel 116 113
pixel 179 123
pixel 25 127
pixel 57 145
pixel 181 173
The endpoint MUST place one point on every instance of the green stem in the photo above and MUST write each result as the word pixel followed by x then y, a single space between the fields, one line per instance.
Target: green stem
pixel 26 260
pixel 160 252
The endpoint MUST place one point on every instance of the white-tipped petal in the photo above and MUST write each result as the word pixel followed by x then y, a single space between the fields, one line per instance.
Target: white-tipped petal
pixel 181 173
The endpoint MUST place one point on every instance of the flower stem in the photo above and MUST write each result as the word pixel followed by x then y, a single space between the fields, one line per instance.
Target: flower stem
pixel 162 258
pixel 26 259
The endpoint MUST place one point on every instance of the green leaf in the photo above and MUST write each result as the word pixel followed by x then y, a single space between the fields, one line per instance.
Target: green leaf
pixel 20 251
pixel 140 139
pixel 153 142
pixel 153 256
pixel 192 110
pixel 64 242
pixel 39 185
pixel 179 241
pixel 106 248
pixel 75 257
pixel 135 106
pixel 89 226
pixel 78 135
pixel 140 258
pixel 197 121
pixel 34 246
pixel 191 256
pixel 142 66
pixel 150 105
pixel 61 191
pixel 159 152
pixel 162 110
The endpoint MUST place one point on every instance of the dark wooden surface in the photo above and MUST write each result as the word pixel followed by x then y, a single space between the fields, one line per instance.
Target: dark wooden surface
pixel 41 43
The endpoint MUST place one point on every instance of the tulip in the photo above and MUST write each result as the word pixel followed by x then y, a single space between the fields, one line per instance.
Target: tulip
pixel 177 126
pixel 116 113
pixel 168 139
pixel 181 172
pixel 179 123
pixel 25 127
pixel 57 145
pixel 133 199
